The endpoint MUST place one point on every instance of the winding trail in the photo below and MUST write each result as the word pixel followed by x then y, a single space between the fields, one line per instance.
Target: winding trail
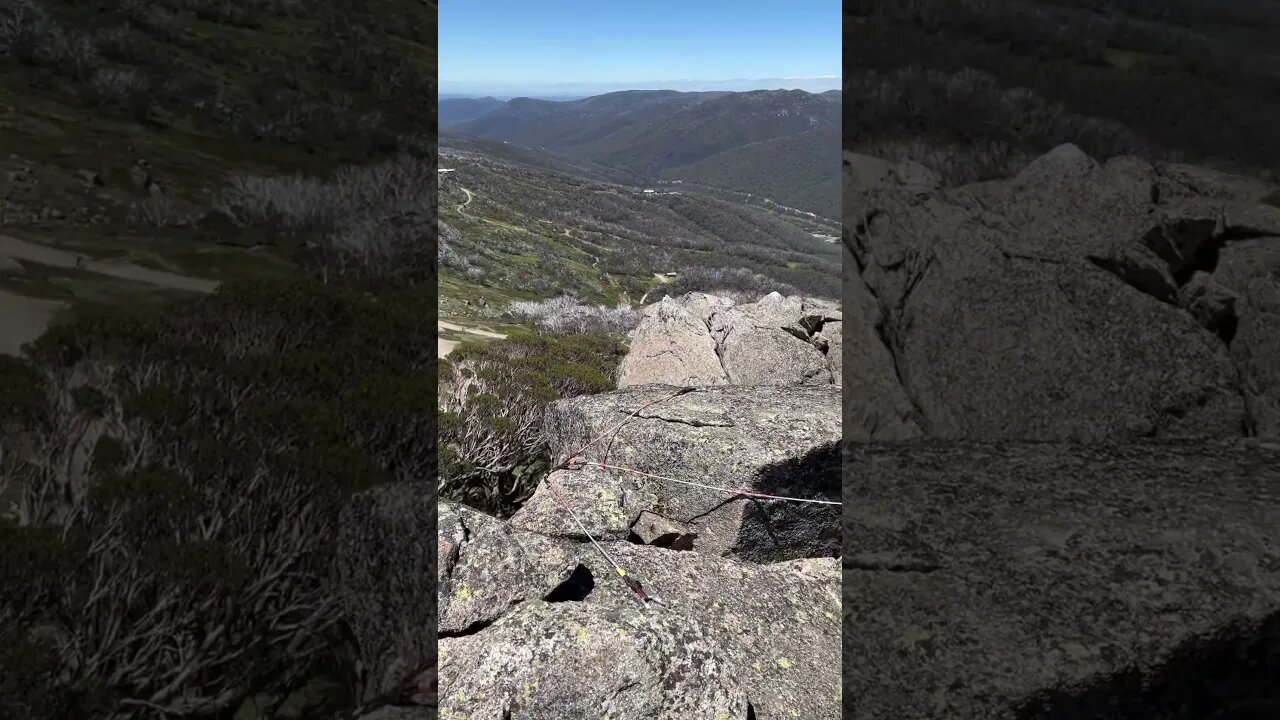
pixel 470 196
pixel 24 318
pixel 15 249
pixel 447 346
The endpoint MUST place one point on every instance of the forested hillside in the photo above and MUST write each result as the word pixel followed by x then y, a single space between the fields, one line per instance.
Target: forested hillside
pixel 977 87
pixel 735 141
pixel 524 232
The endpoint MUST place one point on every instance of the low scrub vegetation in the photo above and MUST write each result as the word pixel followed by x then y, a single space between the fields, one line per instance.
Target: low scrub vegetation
pixel 548 234
pixel 493 449
pixel 318 92
pixel 365 222
pixel 171 500
pixel 569 314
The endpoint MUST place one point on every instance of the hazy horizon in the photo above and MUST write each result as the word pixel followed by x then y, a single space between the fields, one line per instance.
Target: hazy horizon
pixel 506 91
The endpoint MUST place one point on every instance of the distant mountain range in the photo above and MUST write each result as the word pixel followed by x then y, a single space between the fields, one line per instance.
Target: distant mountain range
pixel 567 90
pixel 454 111
pixel 782 144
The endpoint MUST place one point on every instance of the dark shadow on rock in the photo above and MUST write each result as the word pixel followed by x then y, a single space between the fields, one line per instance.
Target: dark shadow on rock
pixel 1230 675
pixel 795 529
pixel 1186 245
pixel 682 542
pixel 576 588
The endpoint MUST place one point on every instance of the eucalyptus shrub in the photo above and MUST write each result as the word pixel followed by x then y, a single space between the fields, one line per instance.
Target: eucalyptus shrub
pixel 493 450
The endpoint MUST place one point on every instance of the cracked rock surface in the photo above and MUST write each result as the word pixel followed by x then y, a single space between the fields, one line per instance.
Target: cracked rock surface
pixel 1084 364
pixel 768 439
pixel 564 638
pixel 1078 301
pixel 537 624
pixel 1030 580
pixel 699 339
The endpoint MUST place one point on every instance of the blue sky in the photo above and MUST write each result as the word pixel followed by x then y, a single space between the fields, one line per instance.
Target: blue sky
pixel 585 45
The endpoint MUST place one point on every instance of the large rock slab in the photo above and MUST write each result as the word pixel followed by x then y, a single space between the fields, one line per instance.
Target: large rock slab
pixel 733 639
pixel 771 342
pixel 672 345
pixel 876 406
pixel 497 569
pixel 385 578
pixel 1008 580
pixel 1067 303
pixel 767 439
pixel 700 340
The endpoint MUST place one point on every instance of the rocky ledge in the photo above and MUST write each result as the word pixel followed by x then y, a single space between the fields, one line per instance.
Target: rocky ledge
pixel 700 339
pixel 536 623
pixel 1078 301
pixel 666 482
pixel 1062 476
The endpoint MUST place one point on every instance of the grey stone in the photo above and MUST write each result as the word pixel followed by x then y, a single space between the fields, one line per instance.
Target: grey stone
pixel 495 571
pixel 671 345
pixel 876 406
pixel 767 439
pixel 1211 304
pixel 770 342
pixel 701 340
pixel 1002 580
pixel 729 634
pixel 1250 269
pixel 1047 307
pixel 703 306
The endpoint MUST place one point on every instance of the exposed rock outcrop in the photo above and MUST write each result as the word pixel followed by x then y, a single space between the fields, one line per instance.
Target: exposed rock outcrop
pixel 1033 553
pixel 560 636
pixel 536 623
pixel 766 439
pixel 1018 580
pixel 1076 301
pixel 699 339
pixel 672 345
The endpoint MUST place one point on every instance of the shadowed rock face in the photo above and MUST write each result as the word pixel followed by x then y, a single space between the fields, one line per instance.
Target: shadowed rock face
pixel 1003 580
pixel 1030 551
pixel 1077 301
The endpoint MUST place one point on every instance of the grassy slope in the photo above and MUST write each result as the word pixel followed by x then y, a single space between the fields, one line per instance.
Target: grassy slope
pixel 528 233
pixel 55 132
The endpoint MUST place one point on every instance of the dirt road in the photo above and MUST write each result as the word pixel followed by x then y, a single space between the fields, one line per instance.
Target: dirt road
pixel 24 319
pixel 447 346
pixel 14 249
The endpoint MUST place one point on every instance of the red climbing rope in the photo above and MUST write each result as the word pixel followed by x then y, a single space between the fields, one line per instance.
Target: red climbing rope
pixel 572 463
pixel 633 584
pixel 731 490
